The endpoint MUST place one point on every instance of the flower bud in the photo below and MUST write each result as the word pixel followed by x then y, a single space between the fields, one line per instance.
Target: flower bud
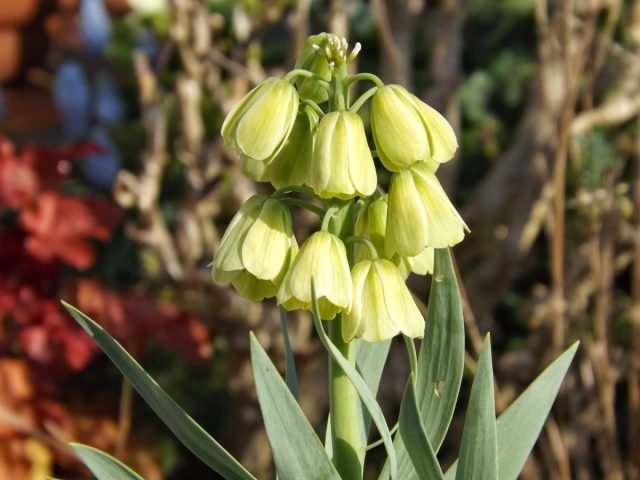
pixel 257 248
pixel 323 258
pixel 382 305
pixel 261 122
pixel 406 130
pixel 342 163
pixel 372 225
pixel 420 214
pixel 311 59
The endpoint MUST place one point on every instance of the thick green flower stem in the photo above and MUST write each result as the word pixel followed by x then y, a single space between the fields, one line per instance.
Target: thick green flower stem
pixel 348 442
pixel 338 98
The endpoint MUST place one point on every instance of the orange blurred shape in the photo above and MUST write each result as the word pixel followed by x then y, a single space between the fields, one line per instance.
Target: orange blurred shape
pixel 10 52
pixel 19 12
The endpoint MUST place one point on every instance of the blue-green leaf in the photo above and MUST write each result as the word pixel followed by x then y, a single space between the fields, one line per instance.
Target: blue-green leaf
pixel 415 437
pixel 479 447
pixel 440 362
pixel 103 465
pixel 192 435
pixel 297 450
pixel 290 365
pixel 359 384
pixel 519 425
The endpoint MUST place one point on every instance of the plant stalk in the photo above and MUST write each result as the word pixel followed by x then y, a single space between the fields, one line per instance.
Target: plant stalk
pixel 348 441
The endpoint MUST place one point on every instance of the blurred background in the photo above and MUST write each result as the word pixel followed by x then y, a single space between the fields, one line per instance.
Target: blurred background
pixel 115 188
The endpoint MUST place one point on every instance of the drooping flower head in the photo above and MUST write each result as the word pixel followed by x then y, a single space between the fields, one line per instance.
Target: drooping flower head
pixel 323 259
pixel 259 125
pixel 420 214
pixel 406 130
pixel 342 163
pixel 371 224
pixel 292 164
pixel 257 248
pixel 382 306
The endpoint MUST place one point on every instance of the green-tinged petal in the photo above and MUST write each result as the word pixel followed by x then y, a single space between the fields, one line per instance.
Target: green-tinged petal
pixel 371 224
pixel 407 221
pixel 382 306
pixel 231 121
pixel 262 120
pixel 338 289
pixel 403 310
pixel 362 170
pixel 222 276
pixel 292 164
pixel 322 152
pixel 265 249
pixel 253 288
pixel 445 226
pixel 228 258
pixel 376 316
pixel 398 131
pixel 342 163
pixel 267 123
pixel 421 264
pixel 352 323
pixel 322 257
pixel 442 138
pixel 255 169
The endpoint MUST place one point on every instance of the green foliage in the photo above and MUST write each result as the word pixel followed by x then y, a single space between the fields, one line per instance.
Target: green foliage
pixel 479 448
pixel 182 425
pixel 414 435
pixel 103 465
pixel 297 451
pixel 519 426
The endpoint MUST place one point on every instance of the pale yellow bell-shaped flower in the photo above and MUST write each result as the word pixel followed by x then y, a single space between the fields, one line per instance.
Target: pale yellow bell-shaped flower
pixel 257 248
pixel 261 122
pixel 292 164
pixel 371 224
pixel 398 130
pixel 382 305
pixel 342 163
pixel 323 259
pixel 406 130
pixel 420 214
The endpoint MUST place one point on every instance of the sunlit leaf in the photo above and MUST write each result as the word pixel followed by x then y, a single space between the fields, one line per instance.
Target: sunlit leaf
pixel 192 435
pixel 479 448
pixel 103 465
pixel 519 425
pixel 415 437
pixel 297 450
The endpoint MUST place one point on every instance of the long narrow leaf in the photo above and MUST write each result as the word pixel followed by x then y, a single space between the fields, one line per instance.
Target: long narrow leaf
pixel 440 362
pixel 297 450
pixel 359 384
pixel 290 365
pixel 370 360
pixel 479 447
pixel 192 435
pixel 103 465
pixel 519 426
pixel 415 437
